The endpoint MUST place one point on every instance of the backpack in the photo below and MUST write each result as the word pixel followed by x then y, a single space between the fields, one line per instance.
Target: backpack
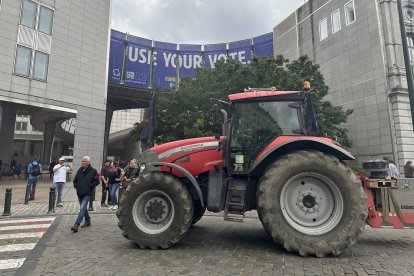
pixel 35 171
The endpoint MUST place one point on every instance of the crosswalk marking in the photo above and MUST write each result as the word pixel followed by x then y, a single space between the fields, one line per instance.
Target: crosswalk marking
pixel 22 227
pixel 21 235
pixel 11 263
pixel 26 220
pixel 17 247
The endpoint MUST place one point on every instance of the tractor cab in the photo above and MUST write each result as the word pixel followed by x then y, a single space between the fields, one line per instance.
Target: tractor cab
pixel 258 117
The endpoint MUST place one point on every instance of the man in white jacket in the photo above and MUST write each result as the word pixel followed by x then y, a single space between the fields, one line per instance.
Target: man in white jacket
pixel 59 179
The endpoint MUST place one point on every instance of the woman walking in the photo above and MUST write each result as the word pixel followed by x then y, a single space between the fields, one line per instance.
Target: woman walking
pixel 114 179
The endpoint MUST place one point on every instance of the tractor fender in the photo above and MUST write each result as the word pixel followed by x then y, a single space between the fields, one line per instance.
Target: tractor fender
pixel 270 154
pixel 186 173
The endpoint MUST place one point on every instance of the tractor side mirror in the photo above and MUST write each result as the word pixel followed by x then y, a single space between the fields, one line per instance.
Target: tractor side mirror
pixel 214 112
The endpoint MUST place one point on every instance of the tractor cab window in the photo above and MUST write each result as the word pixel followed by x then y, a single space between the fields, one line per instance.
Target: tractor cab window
pixel 255 125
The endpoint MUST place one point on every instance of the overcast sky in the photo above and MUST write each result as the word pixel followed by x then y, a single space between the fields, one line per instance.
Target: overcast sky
pixel 200 21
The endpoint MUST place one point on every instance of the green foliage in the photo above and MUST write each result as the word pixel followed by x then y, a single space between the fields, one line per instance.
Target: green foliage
pixel 185 113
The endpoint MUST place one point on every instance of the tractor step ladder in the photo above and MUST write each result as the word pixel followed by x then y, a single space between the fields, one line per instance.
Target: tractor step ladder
pixel 235 203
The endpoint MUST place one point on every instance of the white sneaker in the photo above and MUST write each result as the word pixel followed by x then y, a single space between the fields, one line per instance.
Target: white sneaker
pixel 115 207
pixel 110 207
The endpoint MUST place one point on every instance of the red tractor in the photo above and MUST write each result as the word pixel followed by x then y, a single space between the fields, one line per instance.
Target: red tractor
pixel 270 158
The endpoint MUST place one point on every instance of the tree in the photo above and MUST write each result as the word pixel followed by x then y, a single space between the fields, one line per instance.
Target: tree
pixel 185 113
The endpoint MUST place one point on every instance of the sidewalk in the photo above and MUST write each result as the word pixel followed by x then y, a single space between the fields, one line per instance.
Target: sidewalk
pixel 40 206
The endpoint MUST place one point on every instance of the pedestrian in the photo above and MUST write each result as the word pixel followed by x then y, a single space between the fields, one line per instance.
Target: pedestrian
pixel 51 167
pixel 34 169
pixel 105 185
pixel 130 173
pixel 59 179
pixel 86 179
pixel 115 176
pixel 409 170
pixel 392 169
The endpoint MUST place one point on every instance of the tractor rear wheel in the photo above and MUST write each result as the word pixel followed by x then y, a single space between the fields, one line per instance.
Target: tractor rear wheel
pixel 312 203
pixel 155 211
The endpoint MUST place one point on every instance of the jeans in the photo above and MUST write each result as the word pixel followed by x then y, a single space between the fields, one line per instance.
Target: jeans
pixel 83 213
pixel 59 190
pixel 105 191
pixel 113 187
pixel 31 187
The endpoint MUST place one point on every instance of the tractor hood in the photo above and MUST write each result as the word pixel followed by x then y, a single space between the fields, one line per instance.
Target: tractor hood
pixel 197 155
pixel 170 151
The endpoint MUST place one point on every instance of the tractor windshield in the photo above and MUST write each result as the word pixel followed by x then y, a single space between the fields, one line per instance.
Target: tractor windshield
pixel 256 124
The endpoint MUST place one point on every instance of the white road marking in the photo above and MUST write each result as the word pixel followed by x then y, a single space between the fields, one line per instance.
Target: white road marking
pixel 21 227
pixel 3 221
pixel 17 247
pixel 11 263
pixel 21 235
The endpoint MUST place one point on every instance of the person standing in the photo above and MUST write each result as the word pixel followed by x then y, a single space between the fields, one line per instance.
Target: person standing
pixel 59 178
pixel 114 179
pixel 86 179
pixel 131 172
pixel 34 170
pixel 409 170
pixel 104 180
pixel 392 169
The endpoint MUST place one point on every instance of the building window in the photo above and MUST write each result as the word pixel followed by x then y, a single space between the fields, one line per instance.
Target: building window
pixel 23 61
pixel 28 14
pixel 45 20
pixel 323 29
pixel 30 62
pixel 21 125
pixel 41 62
pixel 350 12
pixel 336 21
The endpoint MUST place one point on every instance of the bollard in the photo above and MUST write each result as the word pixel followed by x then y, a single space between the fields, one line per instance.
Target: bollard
pixel 92 200
pixel 52 200
pixel 7 202
pixel 27 195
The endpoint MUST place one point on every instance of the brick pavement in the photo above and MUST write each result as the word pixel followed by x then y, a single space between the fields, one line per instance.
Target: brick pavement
pixel 18 237
pixel 216 247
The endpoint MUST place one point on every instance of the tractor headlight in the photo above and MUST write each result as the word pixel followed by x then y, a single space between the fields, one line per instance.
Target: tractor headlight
pixel 141 167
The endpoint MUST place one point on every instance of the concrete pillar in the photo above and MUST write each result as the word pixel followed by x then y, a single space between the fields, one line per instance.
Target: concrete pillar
pixel 108 120
pixel 27 147
pixel 89 136
pixel 59 149
pixel 48 137
pixel 7 126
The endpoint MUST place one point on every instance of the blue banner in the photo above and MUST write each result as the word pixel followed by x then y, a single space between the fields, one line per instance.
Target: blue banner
pixel 240 51
pixel 138 61
pixel 214 53
pixel 263 45
pixel 164 71
pixel 191 58
pixel 116 55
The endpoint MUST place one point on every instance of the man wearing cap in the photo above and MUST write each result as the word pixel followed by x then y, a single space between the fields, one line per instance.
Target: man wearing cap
pixel 59 178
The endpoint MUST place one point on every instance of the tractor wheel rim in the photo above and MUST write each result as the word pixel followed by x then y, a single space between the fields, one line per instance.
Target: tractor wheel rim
pixel 311 203
pixel 153 212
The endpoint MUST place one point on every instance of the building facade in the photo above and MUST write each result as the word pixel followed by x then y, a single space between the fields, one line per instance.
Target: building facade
pixel 53 67
pixel 359 49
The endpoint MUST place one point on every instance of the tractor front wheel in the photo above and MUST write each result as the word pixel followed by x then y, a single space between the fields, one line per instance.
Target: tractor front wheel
pixel 312 203
pixel 155 211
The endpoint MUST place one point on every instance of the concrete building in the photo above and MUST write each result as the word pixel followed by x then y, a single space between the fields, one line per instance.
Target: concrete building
pixel 358 47
pixel 53 66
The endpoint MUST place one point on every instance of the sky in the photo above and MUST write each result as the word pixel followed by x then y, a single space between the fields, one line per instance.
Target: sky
pixel 199 21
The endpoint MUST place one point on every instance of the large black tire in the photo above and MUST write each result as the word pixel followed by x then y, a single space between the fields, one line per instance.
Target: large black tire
pixel 155 211
pixel 312 203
